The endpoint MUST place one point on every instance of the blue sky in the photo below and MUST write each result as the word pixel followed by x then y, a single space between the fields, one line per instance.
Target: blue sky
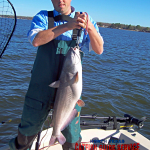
pixel 134 12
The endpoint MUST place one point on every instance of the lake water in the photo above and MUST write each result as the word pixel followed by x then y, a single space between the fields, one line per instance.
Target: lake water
pixel 114 83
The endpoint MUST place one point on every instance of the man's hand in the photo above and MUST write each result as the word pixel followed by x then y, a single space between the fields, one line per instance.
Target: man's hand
pixel 80 20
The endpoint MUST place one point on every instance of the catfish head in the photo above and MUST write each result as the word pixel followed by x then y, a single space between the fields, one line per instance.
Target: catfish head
pixel 73 61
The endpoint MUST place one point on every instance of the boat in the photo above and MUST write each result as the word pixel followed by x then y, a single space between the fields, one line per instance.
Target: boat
pixel 101 139
pixel 104 137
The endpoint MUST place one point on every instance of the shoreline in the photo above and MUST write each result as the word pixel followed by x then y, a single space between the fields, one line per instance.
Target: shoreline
pixel 125 29
pixel 100 24
pixel 26 18
pixel 119 26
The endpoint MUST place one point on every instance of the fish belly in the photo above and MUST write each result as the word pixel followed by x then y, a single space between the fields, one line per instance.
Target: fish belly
pixel 64 105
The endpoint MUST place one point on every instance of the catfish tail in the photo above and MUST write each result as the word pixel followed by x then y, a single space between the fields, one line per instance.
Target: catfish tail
pixel 60 138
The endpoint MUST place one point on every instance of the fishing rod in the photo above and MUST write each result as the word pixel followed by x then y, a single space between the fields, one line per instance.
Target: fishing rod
pixel 94 116
pixel 3 122
pixel 112 122
pixel 80 31
pixel 78 36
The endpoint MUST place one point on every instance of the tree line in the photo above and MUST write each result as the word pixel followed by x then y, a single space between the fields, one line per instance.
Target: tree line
pixel 123 26
pixel 100 24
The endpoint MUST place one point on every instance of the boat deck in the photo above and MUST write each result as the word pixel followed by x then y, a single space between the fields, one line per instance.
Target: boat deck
pixel 102 137
pixel 99 138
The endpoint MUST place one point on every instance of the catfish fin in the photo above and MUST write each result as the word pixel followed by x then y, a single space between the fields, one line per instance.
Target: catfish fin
pixel 55 84
pixel 76 77
pixel 81 103
pixel 72 78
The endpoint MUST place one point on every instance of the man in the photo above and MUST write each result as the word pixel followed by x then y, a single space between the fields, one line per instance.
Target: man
pixel 53 39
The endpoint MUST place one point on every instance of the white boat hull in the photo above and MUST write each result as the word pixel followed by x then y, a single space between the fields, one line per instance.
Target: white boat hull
pixel 125 138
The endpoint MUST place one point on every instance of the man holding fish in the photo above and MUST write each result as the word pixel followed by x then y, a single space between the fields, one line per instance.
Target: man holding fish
pixel 58 64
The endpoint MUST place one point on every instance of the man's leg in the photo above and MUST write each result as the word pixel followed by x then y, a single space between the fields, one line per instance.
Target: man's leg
pixel 33 116
pixel 21 142
pixel 72 132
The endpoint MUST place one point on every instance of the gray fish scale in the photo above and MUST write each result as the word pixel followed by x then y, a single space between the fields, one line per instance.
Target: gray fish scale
pixel 62 106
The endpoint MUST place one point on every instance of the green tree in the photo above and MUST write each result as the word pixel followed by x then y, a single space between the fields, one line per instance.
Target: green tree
pixel 117 25
pixel 129 27
pixel 138 27
pixel 147 29
pixel 112 25
pixel 100 24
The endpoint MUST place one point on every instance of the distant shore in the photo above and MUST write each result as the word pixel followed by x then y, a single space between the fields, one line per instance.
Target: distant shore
pixel 22 17
pixel 18 17
pixel 137 28
pixel 104 25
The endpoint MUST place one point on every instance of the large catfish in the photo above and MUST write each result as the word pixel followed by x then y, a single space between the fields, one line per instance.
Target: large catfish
pixel 68 94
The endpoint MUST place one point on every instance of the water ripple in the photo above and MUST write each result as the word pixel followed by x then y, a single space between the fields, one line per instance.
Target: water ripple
pixel 114 83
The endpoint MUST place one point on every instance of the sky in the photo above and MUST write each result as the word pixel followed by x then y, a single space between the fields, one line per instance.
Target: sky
pixel 134 12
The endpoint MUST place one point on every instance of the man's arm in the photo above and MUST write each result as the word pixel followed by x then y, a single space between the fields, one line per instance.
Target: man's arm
pixel 78 21
pixel 48 35
pixel 95 39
